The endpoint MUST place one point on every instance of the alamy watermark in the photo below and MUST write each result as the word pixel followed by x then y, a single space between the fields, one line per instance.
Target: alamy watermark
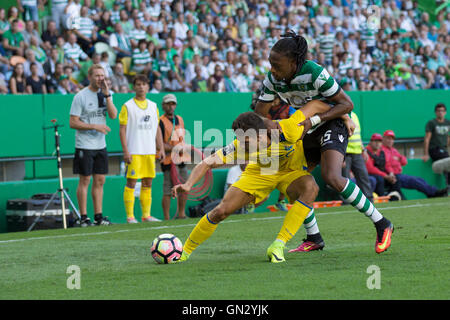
pixel 74 280
pixel 374 280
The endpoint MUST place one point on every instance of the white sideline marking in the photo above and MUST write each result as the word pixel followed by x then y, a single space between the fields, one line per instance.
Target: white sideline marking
pixel 193 225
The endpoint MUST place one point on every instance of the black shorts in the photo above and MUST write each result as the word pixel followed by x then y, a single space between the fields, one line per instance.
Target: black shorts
pixel 437 153
pixel 88 162
pixel 332 135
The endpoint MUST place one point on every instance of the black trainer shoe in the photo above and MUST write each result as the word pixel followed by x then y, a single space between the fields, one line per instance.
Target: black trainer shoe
pixel 440 193
pixel 104 221
pixel 85 223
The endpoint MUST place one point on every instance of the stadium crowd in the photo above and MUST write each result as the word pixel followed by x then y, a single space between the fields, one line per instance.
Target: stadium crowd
pixel 220 46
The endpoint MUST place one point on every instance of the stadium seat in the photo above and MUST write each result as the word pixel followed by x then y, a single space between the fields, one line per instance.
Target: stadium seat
pixel 126 61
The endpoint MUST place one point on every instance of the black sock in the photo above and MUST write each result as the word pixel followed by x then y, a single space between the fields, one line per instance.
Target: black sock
pixel 83 216
pixel 316 238
pixel 382 224
pixel 98 216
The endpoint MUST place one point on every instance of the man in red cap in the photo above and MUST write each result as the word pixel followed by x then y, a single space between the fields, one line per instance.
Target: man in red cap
pixel 397 161
pixel 379 167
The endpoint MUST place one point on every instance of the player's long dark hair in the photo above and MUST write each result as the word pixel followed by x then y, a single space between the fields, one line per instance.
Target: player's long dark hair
pixel 292 45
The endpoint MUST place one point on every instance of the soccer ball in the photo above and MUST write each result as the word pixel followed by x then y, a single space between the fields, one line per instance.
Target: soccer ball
pixel 166 248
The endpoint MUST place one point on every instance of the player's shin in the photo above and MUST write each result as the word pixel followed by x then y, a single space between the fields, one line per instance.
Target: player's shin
pixel 128 200
pixel 353 195
pixel 293 220
pixel 202 231
pixel 146 201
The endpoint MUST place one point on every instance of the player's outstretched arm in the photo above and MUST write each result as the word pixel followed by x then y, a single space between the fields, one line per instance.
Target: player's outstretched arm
pixel 211 162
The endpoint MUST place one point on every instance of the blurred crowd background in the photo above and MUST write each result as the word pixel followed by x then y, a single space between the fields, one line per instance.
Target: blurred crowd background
pixel 47 46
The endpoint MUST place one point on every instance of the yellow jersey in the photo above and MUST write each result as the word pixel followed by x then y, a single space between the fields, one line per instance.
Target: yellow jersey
pixel 287 154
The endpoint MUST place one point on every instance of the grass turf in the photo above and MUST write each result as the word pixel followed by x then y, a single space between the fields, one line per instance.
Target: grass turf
pixel 115 262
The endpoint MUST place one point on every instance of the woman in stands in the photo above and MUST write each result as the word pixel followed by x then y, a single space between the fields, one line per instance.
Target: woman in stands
pixel 17 82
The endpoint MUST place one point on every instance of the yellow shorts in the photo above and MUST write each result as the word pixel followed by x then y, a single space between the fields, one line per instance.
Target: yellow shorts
pixel 260 186
pixel 141 166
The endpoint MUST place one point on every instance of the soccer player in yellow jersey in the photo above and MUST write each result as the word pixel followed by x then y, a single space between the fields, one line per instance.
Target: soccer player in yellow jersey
pixel 276 160
pixel 141 140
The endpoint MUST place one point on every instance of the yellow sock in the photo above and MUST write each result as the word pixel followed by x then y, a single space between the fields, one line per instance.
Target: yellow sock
pixel 293 220
pixel 202 231
pixel 128 200
pixel 146 201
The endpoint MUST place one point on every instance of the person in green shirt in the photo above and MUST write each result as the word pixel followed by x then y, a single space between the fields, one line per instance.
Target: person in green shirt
pixel 4 23
pixel 437 137
pixel 13 41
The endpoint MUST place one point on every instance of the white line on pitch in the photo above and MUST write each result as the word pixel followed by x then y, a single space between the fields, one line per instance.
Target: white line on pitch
pixel 193 225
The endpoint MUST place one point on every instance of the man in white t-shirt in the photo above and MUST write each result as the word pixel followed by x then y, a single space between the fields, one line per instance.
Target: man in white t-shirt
pixel 88 116
pixel 141 141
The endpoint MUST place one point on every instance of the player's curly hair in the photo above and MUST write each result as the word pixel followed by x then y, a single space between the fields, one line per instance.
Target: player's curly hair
pixel 292 45
pixel 248 120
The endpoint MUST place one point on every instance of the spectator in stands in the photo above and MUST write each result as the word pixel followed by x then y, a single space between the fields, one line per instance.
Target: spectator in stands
pixel 29 32
pixel 199 82
pixel 35 83
pixel 13 14
pixel 60 43
pixel 141 61
pixel 243 81
pixel 87 32
pixel 405 34
pixel 4 23
pixel 73 51
pixel 13 41
pixel 157 86
pixel 379 167
pixel 31 58
pixel 118 79
pixel 162 65
pixel 172 128
pixel 52 81
pixel 58 15
pixel 17 82
pixel 3 84
pixel 39 53
pixel 29 8
pixel 104 62
pixel 440 80
pixel 397 161
pixel 437 137
pixel 50 35
pixel 73 84
pixel 120 41
pixel 105 27
pixel 173 82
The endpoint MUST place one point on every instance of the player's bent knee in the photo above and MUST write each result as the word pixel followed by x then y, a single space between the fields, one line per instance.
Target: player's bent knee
pixel 219 213
pixel 310 189
pixel 336 181
pixel 131 183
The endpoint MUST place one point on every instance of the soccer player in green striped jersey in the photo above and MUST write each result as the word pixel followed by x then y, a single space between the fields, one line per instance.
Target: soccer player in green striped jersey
pixel 297 81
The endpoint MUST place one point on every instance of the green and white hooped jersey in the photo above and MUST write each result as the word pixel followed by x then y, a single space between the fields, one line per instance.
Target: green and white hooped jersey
pixel 313 82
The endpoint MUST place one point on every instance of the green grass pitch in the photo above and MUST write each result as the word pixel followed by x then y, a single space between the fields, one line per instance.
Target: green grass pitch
pixel 115 262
